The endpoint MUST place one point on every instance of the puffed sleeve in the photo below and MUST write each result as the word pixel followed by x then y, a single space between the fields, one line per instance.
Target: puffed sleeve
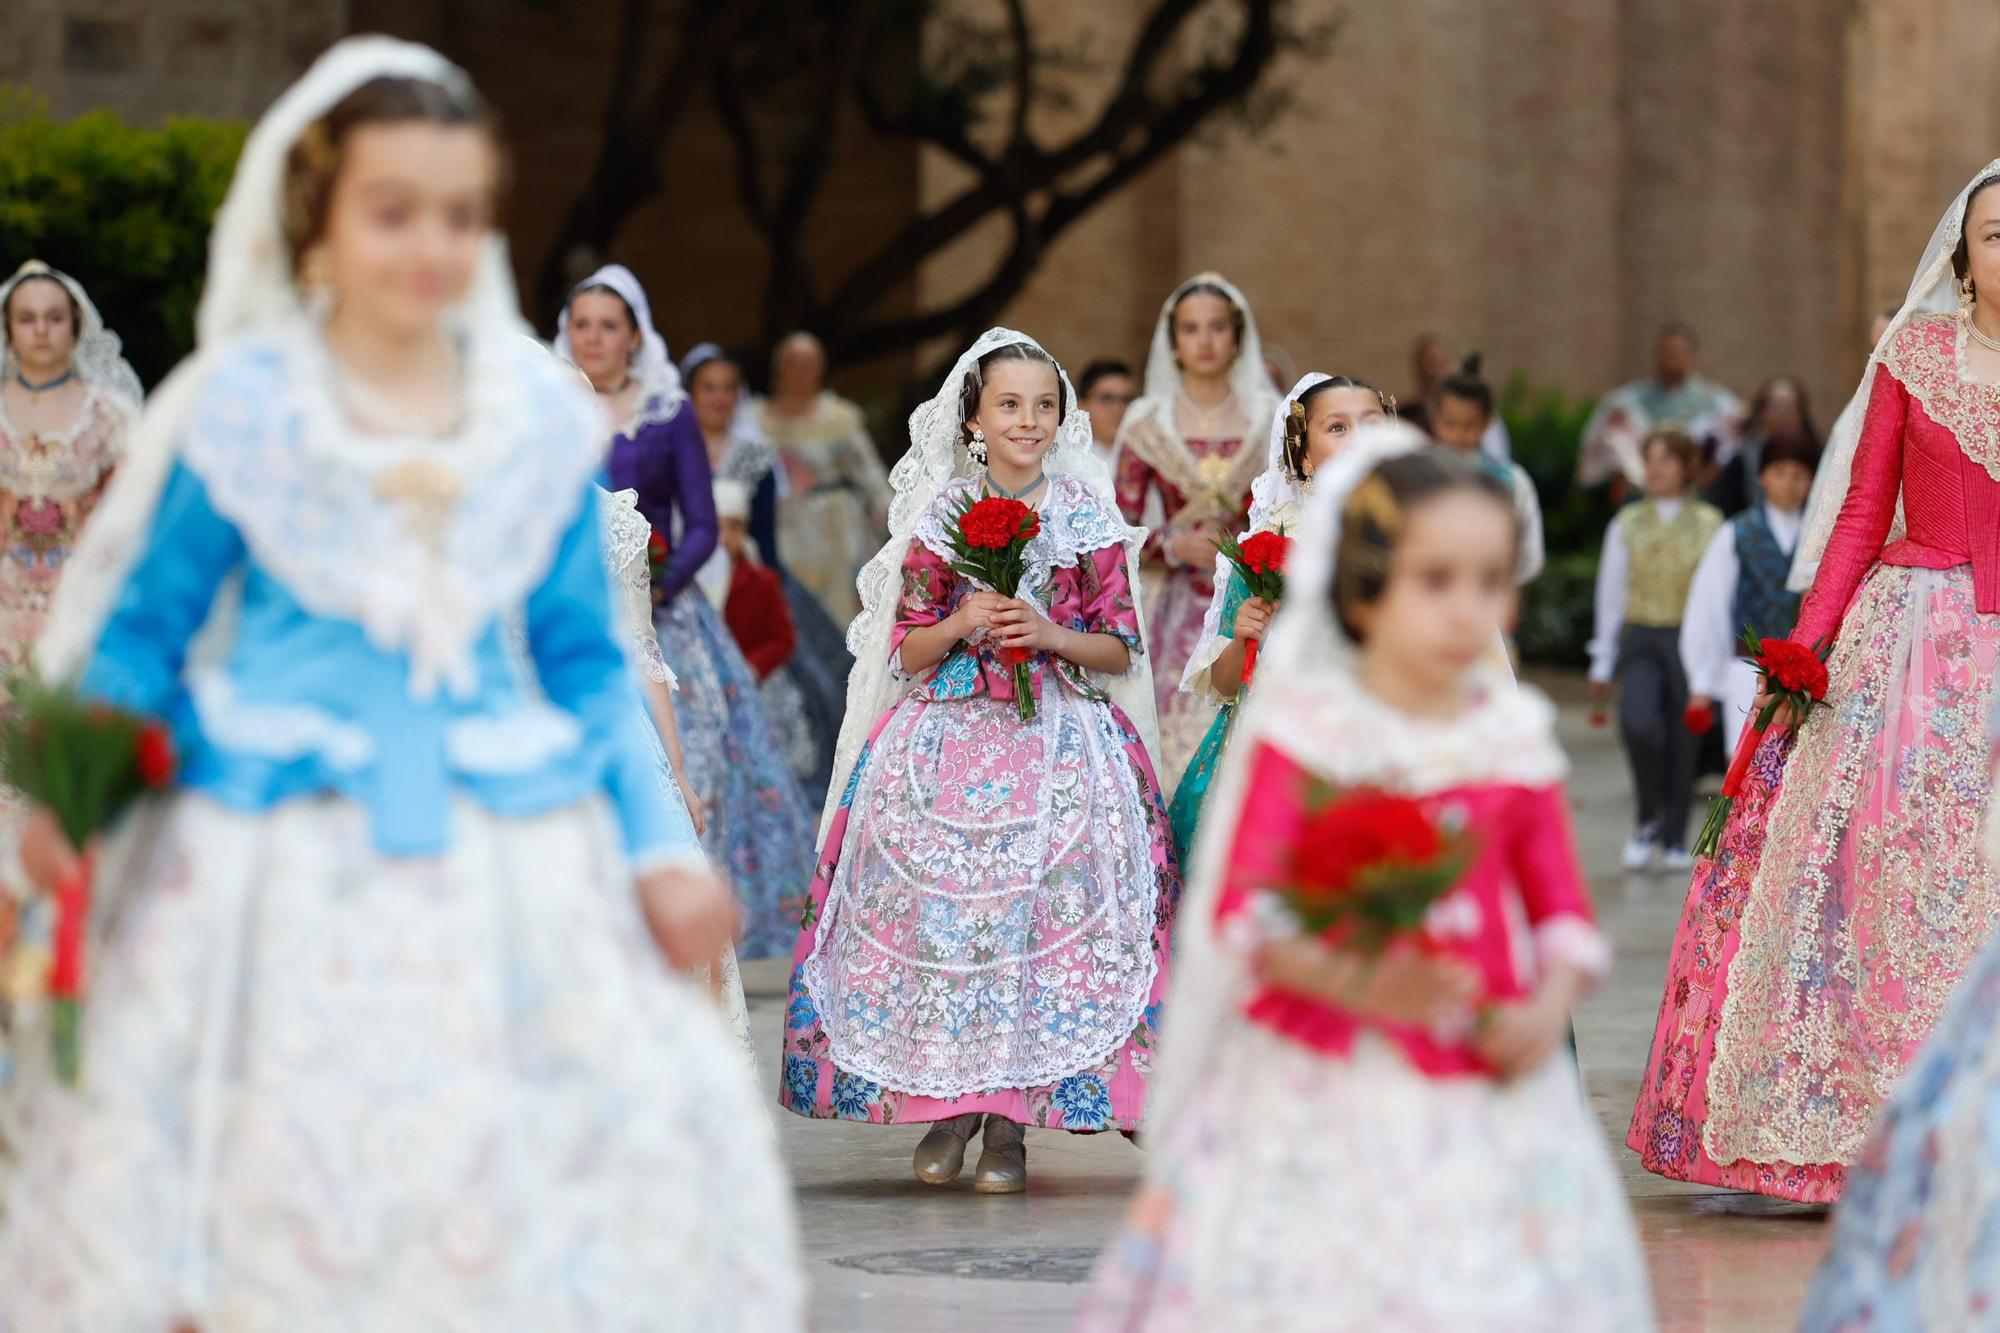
pixel 1108 607
pixel 1866 515
pixel 928 584
pixel 584 671
pixel 694 491
pixel 1270 820
pixel 1135 478
pixel 188 552
pixel 1554 893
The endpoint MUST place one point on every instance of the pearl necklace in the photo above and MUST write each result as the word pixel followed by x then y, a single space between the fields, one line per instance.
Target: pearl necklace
pixel 1991 344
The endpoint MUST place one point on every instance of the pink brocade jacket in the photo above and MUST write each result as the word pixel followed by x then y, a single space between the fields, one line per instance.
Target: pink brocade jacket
pixel 1934 436
pixel 1522 906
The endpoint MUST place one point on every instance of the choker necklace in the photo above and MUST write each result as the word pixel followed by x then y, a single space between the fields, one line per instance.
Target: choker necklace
pixel 620 387
pixel 1006 494
pixel 45 385
pixel 1991 344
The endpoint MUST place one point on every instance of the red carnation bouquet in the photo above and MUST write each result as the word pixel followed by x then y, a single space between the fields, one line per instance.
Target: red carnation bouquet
pixel 1369 867
pixel 1260 563
pixel 989 541
pixel 85 763
pixel 657 551
pixel 1795 675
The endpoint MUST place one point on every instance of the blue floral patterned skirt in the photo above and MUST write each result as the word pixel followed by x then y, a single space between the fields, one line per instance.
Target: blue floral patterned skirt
pixel 759 832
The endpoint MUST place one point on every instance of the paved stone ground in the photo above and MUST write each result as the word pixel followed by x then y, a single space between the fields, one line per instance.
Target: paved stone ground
pixel 889 1253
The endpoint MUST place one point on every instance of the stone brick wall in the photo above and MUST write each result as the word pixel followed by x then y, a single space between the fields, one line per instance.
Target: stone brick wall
pixel 1544 180
pixel 150 59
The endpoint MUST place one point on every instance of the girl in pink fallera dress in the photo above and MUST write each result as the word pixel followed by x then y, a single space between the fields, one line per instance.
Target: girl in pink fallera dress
pixel 1849 894
pixel 987 934
pixel 1383 1143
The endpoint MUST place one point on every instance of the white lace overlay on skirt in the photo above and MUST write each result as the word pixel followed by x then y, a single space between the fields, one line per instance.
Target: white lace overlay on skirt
pixel 333 1090
pixel 1324 1194
pixel 990 924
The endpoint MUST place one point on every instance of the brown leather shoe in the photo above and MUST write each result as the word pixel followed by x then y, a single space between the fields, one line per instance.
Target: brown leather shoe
pixel 1003 1166
pixel 941 1155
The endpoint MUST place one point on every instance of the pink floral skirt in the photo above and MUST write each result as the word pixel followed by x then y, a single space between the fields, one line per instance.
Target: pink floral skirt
pixel 1818 948
pixel 960 921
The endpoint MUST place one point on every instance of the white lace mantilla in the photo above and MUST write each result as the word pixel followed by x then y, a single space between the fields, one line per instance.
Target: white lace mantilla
pixel 1505 736
pixel 423 543
pixel 1077 521
pixel 626 535
pixel 1195 679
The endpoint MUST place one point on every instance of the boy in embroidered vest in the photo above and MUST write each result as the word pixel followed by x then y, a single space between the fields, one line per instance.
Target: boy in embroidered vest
pixel 1650 553
pixel 1741 581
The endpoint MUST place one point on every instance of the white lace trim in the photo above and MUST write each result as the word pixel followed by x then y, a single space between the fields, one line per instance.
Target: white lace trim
pixel 283 732
pixel 1076 522
pixel 1505 736
pixel 316 502
pixel 1195 679
pixel 519 742
pixel 626 536
pixel 1575 941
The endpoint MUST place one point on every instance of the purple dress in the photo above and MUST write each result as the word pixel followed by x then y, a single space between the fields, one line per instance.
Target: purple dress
pixel 759 832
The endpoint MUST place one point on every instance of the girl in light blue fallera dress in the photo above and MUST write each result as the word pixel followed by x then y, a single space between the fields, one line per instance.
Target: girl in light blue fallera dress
pixel 376 1034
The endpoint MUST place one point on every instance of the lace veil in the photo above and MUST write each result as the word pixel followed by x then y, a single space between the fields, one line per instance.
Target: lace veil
pixel 934 460
pixel 660 391
pixel 250 288
pixel 1274 496
pixel 1932 291
pixel 99 358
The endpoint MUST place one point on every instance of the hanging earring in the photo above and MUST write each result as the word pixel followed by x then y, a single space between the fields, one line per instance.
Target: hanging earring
pixel 1967 298
pixel 977 446
pixel 317 272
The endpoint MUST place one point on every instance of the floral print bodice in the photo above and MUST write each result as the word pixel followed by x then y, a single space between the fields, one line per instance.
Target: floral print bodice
pixel 1091 595
pixel 48 485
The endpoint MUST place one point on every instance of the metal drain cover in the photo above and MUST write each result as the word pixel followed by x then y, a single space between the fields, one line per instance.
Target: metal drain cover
pixel 984 1263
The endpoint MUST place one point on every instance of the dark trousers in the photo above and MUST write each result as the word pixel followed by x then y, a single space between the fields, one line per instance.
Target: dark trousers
pixel 1652 700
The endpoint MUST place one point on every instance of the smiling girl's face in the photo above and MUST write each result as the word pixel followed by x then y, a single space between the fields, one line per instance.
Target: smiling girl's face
pixel 1020 406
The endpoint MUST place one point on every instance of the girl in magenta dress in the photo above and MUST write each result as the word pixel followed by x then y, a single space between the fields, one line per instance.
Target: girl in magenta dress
pixel 1818 948
pixel 987 935
pixel 1391 1142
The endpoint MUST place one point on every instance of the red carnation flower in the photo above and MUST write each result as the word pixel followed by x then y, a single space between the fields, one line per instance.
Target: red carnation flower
pixel 1266 552
pixel 153 754
pixel 1698 720
pixel 996 523
pixel 1793 666
pixel 1360 832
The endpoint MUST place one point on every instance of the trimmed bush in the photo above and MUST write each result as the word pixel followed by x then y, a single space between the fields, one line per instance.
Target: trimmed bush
pixel 1556 609
pixel 125 209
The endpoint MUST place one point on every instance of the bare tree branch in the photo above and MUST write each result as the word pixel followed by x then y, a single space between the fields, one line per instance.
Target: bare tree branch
pixel 1131 110
pixel 1024 72
pixel 629 165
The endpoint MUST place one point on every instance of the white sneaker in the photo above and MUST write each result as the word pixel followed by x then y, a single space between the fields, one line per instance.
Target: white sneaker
pixel 1677 859
pixel 1639 852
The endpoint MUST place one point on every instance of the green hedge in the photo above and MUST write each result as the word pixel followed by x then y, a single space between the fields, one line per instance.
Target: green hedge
pixel 123 208
pixel 1556 609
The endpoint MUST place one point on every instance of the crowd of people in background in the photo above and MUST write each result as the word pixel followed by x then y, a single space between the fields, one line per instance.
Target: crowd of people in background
pixel 515 682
